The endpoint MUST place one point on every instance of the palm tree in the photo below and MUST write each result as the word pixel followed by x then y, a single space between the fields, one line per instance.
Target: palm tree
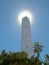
pixel 37 49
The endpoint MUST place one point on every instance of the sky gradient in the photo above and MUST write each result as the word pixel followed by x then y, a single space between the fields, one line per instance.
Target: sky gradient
pixel 10 30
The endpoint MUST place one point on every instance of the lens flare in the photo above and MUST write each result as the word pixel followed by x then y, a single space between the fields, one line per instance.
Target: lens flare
pixel 24 14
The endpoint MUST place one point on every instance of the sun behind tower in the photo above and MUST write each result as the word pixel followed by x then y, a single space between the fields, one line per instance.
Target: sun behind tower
pixel 24 14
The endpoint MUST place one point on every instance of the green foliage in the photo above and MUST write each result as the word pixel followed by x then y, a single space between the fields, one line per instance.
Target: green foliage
pixel 46 61
pixel 37 48
pixel 20 58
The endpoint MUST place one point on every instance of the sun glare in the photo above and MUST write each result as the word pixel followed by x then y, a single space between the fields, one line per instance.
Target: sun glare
pixel 24 14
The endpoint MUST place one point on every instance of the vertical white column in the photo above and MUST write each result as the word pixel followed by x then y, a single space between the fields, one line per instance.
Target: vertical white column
pixel 26 37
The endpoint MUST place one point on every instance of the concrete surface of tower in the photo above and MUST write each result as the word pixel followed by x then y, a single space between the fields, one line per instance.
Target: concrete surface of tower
pixel 26 44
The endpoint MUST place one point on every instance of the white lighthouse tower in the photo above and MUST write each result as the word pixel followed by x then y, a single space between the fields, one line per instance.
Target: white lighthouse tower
pixel 26 37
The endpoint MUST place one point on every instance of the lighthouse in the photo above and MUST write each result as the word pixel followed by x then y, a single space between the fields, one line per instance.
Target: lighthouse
pixel 26 44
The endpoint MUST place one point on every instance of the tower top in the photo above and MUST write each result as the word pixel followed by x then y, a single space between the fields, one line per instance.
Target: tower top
pixel 25 19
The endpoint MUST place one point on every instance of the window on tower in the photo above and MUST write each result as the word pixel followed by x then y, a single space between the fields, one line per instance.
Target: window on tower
pixel 26 46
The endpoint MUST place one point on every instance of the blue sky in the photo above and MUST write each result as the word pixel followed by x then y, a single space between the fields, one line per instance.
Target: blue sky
pixel 10 30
